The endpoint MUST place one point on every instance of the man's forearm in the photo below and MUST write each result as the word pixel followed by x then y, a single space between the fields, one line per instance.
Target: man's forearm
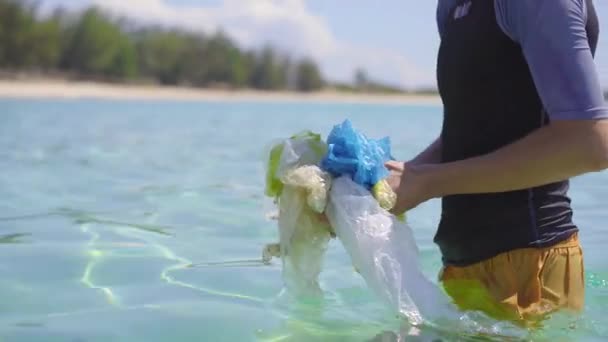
pixel 430 155
pixel 554 153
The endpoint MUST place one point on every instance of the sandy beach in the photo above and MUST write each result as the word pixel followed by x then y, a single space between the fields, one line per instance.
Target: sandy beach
pixel 56 89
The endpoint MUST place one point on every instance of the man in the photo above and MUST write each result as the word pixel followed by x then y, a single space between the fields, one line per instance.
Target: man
pixel 523 113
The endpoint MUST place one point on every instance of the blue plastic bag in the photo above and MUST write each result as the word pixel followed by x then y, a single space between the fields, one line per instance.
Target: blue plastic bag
pixel 352 153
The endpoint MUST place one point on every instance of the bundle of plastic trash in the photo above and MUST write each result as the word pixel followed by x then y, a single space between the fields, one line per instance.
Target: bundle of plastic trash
pixel 345 179
pixel 300 189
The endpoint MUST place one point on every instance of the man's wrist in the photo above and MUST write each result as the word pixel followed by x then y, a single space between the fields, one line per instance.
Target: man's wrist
pixel 432 178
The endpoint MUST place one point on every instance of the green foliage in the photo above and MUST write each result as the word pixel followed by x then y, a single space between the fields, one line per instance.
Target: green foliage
pixel 99 47
pixel 309 76
pixel 160 54
pixel 242 66
pixel 92 44
pixel 268 72
pixel 363 83
pixel 17 28
pixel 220 57
pixel 45 47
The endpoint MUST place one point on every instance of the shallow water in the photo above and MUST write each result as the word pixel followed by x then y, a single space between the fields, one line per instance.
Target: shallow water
pixel 145 221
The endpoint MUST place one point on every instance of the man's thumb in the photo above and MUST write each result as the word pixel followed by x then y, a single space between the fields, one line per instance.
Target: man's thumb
pixel 394 165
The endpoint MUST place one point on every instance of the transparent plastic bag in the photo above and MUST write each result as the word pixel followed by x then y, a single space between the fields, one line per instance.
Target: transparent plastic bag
pixel 303 241
pixel 305 148
pixel 383 250
pixel 300 188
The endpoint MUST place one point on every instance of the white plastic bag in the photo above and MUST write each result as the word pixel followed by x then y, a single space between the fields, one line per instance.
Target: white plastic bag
pixel 384 252
pixel 303 236
pixel 314 182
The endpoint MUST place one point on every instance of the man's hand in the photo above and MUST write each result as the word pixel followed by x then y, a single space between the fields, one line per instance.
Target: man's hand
pixel 410 185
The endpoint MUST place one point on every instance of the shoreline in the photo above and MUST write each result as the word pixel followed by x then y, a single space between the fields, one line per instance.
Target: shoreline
pixel 76 90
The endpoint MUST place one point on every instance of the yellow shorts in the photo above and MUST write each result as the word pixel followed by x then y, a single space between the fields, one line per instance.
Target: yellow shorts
pixel 522 285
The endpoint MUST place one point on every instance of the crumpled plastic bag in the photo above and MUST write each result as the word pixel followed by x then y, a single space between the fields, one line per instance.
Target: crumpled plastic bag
pixel 383 250
pixel 301 190
pixel 350 152
pixel 305 148
pixel 314 181
pixel 384 194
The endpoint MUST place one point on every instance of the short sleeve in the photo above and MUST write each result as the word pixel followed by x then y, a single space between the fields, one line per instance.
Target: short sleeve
pixel 553 37
pixel 442 13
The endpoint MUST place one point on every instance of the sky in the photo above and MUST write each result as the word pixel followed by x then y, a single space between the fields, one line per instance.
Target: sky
pixel 395 41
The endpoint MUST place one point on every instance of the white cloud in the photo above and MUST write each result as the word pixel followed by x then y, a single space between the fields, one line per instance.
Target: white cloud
pixel 382 64
pixel 287 24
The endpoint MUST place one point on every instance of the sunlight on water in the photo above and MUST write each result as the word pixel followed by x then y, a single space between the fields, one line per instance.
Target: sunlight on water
pixel 127 221
pixel 95 257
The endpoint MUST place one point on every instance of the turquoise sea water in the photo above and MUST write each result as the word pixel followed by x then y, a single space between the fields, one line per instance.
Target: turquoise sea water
pixel 145 221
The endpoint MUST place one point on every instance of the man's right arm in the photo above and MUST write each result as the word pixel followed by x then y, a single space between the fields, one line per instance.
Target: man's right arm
pixel 430 155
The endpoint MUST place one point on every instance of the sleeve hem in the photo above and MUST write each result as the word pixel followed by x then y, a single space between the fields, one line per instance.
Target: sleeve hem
pixel 588 114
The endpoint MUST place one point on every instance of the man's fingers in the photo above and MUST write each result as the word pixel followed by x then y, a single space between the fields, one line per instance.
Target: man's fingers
pixel 394 181
pixel 394 165
pixel 397 210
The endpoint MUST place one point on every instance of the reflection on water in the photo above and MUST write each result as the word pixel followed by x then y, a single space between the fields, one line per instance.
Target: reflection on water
pixel 81 217
pixel 231 263
pixel 129 221
pixel 13 238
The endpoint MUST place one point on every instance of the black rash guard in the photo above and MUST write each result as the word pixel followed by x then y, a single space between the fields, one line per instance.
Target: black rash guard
pixel 499 81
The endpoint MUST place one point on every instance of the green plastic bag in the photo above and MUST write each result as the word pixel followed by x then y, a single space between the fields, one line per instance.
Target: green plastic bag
pixel 306 148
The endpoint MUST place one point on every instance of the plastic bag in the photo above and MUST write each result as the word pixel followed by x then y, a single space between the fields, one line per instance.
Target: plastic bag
pixel 352 153
pixel 305 148
pixel 301 190
pixel 381 247
pixel 384 194
pixel 315 182
pixel 303 242
pixel 384 252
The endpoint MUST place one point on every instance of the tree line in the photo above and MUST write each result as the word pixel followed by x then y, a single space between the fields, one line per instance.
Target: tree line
pixel 92 44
